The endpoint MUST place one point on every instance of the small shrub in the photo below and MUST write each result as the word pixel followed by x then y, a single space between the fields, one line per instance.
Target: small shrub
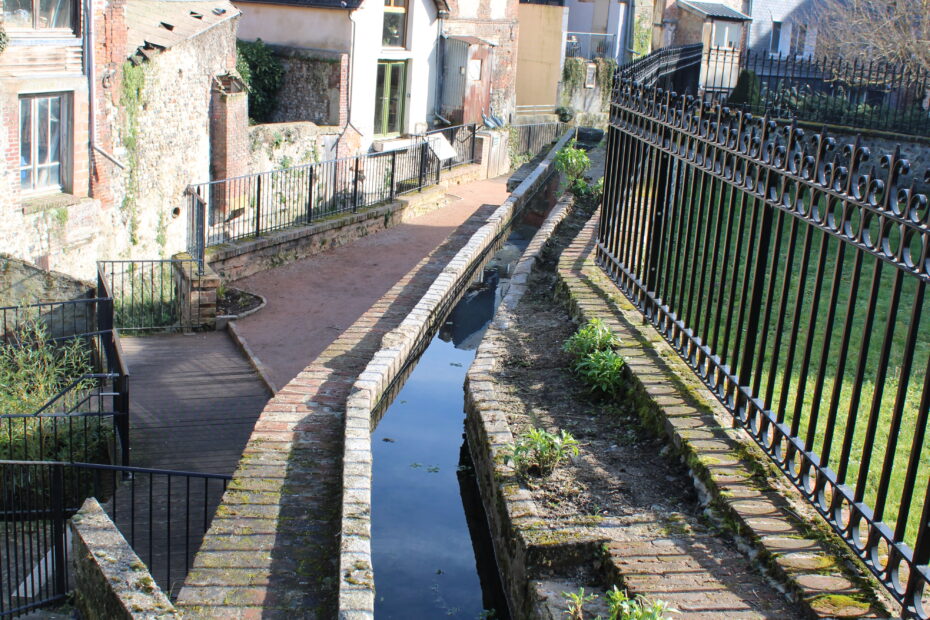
pixel 539 452
pixel 747 90
pixel 576 602
pixel 593 336
pixel 602 371
pixel 573 163
pixel 262 73
pixel 566 113
pixel 622 607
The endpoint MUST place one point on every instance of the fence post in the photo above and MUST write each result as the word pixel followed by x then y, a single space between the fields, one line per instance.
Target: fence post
pixel 654 234
pixel 310 195
pixel 59 567
pixel 258 205
pixel 422 165
pixel 358 158
pixel 393 174
pixel 474 136
pixel 121 411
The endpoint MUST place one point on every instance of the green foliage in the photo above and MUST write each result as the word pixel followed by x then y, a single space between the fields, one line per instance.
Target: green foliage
pixel 262 72
pixel 576 602
pixel 133 85
pixel 622 607
pixel 596 361
pixel 747 89
pixel 566 113
pixel 573 163
pixel 591 337
pixel 573 73
pixel 642 36
pixel 33 370
pixel 4 38
pixel 539 452
pixel 606 69
pixel 602 371
pixel 517 158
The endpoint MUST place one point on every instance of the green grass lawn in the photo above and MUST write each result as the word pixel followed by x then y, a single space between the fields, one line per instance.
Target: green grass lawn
pixel 709 247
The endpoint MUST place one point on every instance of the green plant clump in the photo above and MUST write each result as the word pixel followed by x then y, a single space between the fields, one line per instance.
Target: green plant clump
pixel 747 89
pixel 33 370
pixel 133 85
pixel 619 606
pixel 539 452
pixel 262 73
pixel 4 38
pixel 592 336
pixel 596 360
pixel 573 162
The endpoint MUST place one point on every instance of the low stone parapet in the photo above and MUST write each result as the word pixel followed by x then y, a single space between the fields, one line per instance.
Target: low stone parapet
pixel 111 582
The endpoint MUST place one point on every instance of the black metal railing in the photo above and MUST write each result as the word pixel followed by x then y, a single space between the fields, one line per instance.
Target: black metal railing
pixel 152 295
pixel 256 204
pixel 590 45
pixel 671 68
pixel 790 272
pixel 83 417
pixel 463 140
pixel 163 514
pixel 530 140
pixel 835 91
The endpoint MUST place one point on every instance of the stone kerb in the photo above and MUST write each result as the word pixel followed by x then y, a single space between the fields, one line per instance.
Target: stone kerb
pixel 356 576
pixel 111 581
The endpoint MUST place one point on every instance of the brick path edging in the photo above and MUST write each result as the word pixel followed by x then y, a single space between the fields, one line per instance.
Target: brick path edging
pixel 743 488
pixel 356 576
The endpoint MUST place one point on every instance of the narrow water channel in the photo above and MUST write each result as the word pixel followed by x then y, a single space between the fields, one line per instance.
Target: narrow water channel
pixel 431 548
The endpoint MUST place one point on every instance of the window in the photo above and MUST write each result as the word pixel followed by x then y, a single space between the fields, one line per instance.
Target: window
pixel 42 131
pixel 39 14
pixel 726 34
pixel 390 92
pixel 798 39
pixel 395 23
pixel 775 45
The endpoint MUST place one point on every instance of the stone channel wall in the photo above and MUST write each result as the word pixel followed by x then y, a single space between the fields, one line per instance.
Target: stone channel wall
pixel 356 578
pixel 110 581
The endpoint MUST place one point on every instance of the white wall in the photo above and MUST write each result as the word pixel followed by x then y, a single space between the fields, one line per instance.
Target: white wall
pixel 327 29
pixel 422 67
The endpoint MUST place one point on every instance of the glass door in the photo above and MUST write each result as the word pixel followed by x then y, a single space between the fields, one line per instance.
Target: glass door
pixel 390 92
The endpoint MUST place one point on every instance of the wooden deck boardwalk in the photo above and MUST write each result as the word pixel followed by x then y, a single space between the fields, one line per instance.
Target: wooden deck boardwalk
pixel 194 401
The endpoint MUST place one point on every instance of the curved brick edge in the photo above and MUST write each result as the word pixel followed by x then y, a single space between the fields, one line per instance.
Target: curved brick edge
pixel 742 487
pixel 356 576
pixel 521 538
pixel 110 581
pixel 250 355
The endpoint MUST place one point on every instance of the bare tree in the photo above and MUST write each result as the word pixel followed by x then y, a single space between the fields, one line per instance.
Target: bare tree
pixel 893 31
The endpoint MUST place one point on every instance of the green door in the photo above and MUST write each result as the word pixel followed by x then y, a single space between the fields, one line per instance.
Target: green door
pixel 389 97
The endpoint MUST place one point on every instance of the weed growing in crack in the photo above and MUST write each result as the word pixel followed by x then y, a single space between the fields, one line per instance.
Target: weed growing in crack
pixel 539 452
pixel 622 607
pixel 593 336
pixel 576 601
pixel 596 360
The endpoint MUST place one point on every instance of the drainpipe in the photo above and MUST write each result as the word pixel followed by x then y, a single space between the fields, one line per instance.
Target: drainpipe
pixel 629 29
pixel 441 70
pixel 90 66
pixel 352 60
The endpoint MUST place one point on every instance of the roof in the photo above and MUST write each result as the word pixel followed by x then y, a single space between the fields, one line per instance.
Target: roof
pixel 715 10
pixel 157 25
pixel 350 5
pixel 469 40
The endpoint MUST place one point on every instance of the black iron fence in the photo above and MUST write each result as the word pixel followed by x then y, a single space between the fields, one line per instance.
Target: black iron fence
pixel 590 45
pixel 152 295
pixel 836 91
pixel 64 393
pixel 463 140
pixel 671 68
pixel 790 272
pixel 530 140
pixel 256 204
pixel 163 514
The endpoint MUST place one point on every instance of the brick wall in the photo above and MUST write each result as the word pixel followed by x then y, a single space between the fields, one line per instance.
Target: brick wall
pixel 495 21
pixel 314 86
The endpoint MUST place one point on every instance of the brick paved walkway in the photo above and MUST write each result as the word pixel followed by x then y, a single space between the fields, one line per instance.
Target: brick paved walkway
pixel 271 551
pixel 679 569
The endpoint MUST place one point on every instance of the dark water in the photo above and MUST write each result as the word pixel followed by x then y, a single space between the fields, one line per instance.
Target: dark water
pixel 431 548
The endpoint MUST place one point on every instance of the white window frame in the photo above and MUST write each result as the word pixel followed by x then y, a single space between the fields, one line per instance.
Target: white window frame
pixel 64 141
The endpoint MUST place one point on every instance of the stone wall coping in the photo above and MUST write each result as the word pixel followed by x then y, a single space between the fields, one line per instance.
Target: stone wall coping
pixel 356 579
pixel 736 479
pixel 110 580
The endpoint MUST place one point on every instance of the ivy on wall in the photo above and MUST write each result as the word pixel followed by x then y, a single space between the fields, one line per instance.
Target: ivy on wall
pixel 131 102
pixel 262 73
pixel 606 69
pixel 4 38
pixel 573 78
